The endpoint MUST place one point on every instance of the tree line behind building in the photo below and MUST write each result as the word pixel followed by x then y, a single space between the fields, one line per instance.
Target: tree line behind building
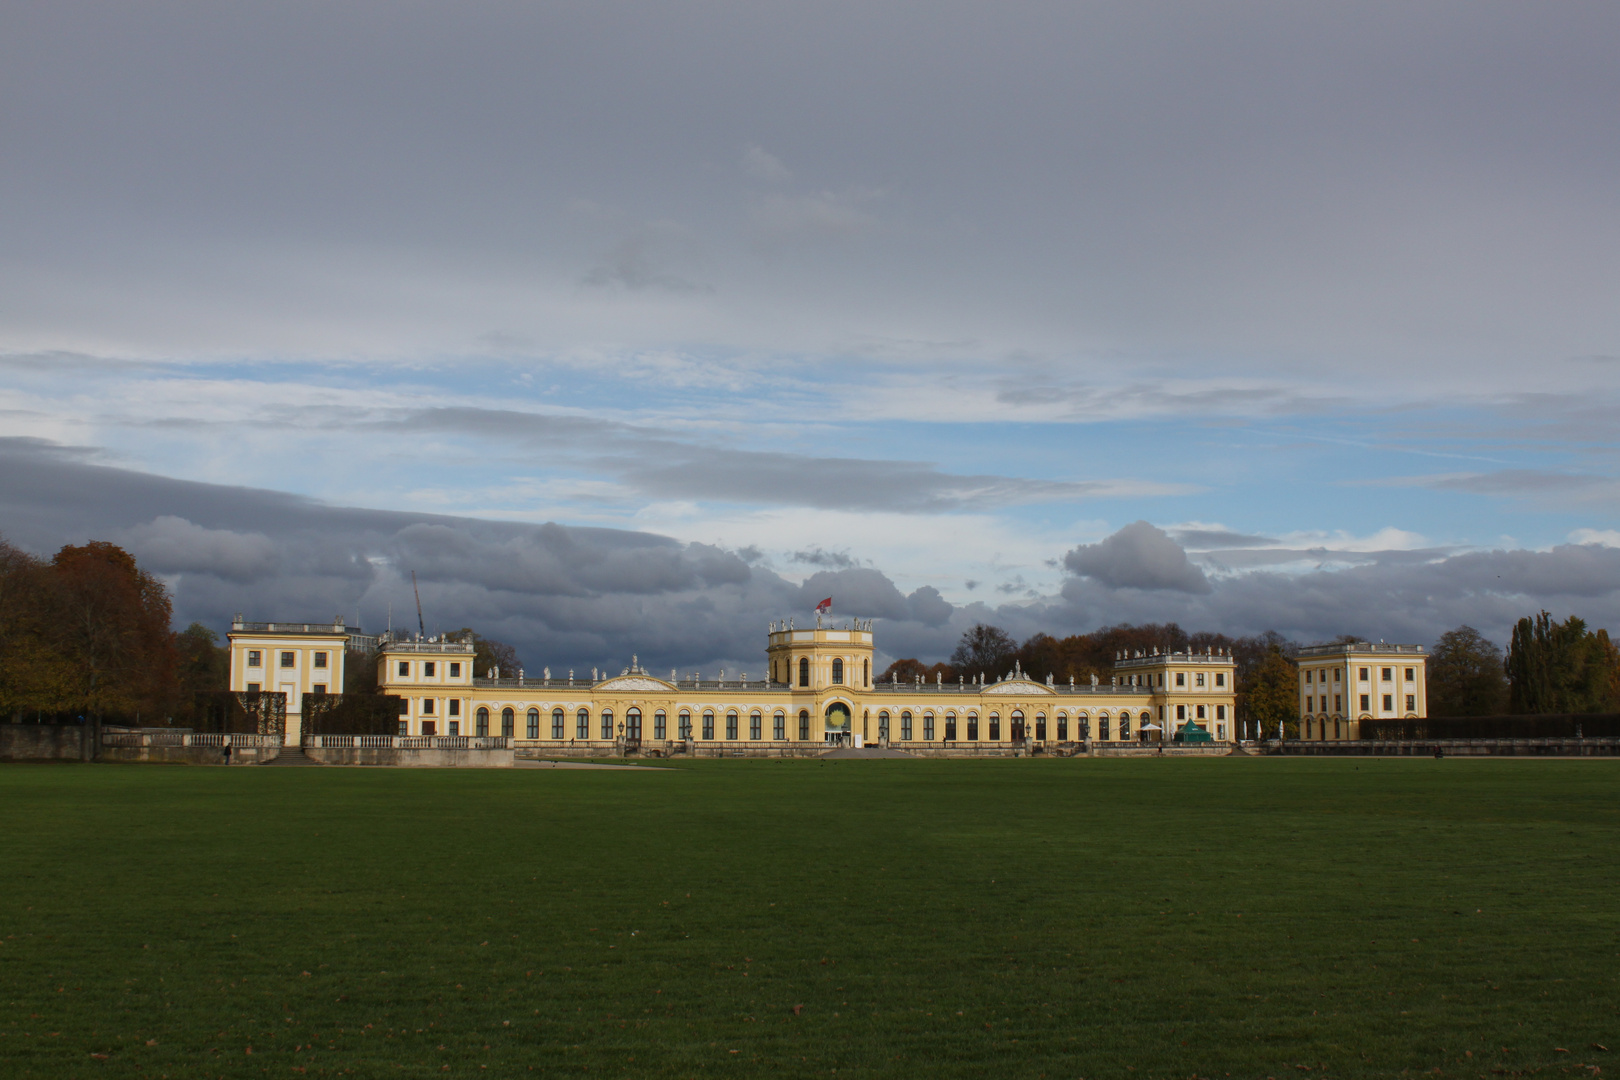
pixel 88 633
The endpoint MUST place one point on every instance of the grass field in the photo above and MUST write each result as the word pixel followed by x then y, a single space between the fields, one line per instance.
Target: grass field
pixel 1077 918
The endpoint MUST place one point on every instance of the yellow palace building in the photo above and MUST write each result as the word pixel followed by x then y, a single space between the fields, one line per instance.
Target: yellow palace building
pixel 816 688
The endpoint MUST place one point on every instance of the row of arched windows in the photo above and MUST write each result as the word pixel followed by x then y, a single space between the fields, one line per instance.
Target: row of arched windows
pixel 732 718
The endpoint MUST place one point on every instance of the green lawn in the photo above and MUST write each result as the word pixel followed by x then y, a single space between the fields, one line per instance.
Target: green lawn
pixel 997 918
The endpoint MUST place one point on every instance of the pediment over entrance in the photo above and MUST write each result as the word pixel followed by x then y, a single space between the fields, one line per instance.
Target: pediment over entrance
pixel 1018 686
pixel 635 682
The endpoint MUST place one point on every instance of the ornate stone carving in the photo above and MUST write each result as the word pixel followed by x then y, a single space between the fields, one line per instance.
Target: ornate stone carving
pixel 634 682
pixel 1017 686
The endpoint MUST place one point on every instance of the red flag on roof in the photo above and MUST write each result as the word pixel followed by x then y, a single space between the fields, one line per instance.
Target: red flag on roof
pixel 824 607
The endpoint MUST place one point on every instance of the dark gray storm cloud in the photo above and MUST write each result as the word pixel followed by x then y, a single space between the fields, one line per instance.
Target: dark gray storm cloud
pixel 1253 177
pixel 656 465
pixel 1139 556
pixel 581 597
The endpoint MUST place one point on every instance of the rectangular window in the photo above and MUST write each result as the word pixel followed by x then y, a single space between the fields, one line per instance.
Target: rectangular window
pixel 287 659
pixel 1181 678
pixel 455 670
pixel 1411 702
pixel 455 709
pixel 1389 674
pixel 255 657
pixel 455 727
pixel 320 659
pixel 319 688
pixel 1363 674
pixel 1364 702
pixel 404 706
pixel 404 727
pixel 1220 712
pixel 1308 700
pixel 1181 712
pixel 404 669
pixel 1335 674
pixel 1411 675
pixel 1336 706
pixel 1201 712
pixel 1220 732
pixel 1389 702
pixel 427 706
pixel 1220 678
pixel 1198 680
pixel 427 669
pixel 1307 675
pixel 253 688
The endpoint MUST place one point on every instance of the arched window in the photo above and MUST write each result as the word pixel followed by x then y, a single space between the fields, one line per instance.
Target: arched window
pixel 632 724
pixel 928 727
pixel 685 722
pixel 973 727
pixel 883 724
pixel 804 671
pixel 995 727
pixel 708 723
pixel 905 727
pixel 755 726
pixel 1307 727
pixel 804 724
pixel 557 719
pixel 582 724
pixel 481 718
pixel 508 722
pixel 866 673
pixel 1102 726
pixel 838 671
pixel 779 726
pixel 607 723
pixel 950 727
pixel 1082 726
pixel 731 725
pixel 1124 725
pixel 660 725
pixel 1040 726
pixel 534 723
pixel 1016 723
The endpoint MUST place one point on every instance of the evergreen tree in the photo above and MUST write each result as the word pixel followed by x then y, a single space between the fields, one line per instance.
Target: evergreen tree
pixel 1560 667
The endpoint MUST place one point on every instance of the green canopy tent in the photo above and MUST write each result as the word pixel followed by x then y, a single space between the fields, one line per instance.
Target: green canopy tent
pixel 1193 733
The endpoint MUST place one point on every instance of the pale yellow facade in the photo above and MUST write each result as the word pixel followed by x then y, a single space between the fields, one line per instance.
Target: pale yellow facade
pixel 1342 685
pixel 817 688
pixel 288 658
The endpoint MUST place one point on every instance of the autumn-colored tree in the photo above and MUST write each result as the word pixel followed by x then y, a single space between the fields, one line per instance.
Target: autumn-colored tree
pixel 112 622
pixel 204 664
pixel 36 677
pixel 1268 695
pixel 908 671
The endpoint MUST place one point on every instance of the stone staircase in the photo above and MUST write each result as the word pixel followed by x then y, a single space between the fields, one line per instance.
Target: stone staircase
pixel 292 755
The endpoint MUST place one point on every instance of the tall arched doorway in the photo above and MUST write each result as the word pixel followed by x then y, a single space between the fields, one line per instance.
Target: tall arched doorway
pixel 836 720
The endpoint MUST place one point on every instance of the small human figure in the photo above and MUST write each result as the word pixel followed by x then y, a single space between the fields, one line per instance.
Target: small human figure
pixel 227 753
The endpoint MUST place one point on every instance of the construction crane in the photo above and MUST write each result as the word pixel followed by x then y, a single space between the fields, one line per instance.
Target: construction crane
pixel 421 630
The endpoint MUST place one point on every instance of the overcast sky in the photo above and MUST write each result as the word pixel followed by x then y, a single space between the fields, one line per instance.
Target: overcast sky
pixel 629 326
